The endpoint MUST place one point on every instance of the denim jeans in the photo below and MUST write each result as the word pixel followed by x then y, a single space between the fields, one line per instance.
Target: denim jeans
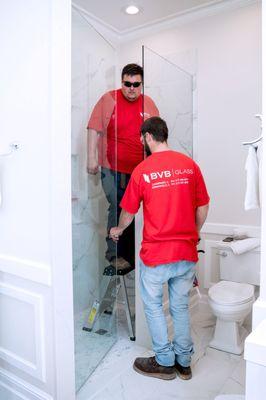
pixel 114 192
pixel 179 276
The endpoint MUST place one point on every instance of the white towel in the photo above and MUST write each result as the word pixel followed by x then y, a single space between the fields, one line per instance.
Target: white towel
pixel 259 157
pixel 242 246
pixel 252 191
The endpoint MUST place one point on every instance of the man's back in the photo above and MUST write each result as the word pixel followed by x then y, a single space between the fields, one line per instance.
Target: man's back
pixel 171 187
pixel 175 205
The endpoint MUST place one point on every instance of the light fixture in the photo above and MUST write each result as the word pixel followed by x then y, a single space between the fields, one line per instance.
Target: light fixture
pixel 132 10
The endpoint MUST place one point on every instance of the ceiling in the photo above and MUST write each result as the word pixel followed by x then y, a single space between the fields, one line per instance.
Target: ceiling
pixel 111 13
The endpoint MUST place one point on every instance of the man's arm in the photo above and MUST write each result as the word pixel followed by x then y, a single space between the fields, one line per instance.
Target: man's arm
pixel 201 215
pixel 92 159
pixel 125 220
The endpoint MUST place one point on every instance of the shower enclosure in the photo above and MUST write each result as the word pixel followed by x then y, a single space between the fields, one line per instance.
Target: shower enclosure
pixel 93 74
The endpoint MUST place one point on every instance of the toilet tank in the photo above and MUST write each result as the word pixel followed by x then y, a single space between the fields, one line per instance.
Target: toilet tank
pixel 243 268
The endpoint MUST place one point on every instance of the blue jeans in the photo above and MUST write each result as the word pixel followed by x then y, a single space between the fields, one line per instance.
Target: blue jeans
pixel 179 276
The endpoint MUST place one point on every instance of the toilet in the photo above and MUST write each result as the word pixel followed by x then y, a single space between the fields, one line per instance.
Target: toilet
pixel 231 299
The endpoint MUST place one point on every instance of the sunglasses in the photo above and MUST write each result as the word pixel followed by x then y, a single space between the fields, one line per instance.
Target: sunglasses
pixel 134 84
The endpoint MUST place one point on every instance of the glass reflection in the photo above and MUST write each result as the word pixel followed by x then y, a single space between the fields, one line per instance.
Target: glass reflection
pixel 172 90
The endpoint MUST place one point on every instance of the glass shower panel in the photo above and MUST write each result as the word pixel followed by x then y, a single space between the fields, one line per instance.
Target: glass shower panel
pixel 171 88
pixel 93 74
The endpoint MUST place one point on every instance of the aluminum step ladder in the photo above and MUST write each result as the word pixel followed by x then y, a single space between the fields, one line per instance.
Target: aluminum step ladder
pixel 112 282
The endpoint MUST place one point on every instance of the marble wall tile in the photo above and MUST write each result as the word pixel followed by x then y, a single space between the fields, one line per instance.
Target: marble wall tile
pixel 171 88
pixel 93 73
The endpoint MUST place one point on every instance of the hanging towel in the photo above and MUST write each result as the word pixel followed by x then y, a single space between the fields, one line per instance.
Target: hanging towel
pixel 259 157
pixel 252 190
pixel 0 195
pixel 245 245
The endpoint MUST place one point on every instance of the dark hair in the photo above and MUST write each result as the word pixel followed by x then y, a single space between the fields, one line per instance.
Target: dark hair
pixel 132 69
pixel 157 127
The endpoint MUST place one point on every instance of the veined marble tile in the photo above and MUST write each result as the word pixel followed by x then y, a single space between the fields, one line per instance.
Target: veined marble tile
pixel 214 372
pixel 131 385
pixel 117 361
pixel 90 349
pixel 232 387
pixel 239 373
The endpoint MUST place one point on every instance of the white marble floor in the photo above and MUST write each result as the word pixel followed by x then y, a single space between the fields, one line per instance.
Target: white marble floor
pixel 214 372
pixel 91 347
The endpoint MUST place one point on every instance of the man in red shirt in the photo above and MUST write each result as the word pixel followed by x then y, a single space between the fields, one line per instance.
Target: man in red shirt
pixel 175 205
pixel 114 145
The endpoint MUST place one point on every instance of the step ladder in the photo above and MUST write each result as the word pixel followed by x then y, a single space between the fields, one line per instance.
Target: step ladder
pixel 112 282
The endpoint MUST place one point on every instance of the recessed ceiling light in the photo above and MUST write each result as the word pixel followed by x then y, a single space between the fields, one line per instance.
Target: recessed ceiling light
pixel 132 10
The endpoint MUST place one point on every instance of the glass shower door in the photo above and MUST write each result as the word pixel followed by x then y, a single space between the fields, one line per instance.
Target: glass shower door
pixel 93 74
pixel 171 88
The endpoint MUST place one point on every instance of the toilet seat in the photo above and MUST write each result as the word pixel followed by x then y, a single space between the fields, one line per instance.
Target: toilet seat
pixel 231 293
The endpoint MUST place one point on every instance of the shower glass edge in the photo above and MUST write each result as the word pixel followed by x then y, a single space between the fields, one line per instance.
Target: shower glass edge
pixel 93 74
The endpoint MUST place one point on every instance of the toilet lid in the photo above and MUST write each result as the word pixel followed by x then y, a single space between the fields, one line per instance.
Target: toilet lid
pixel 226 292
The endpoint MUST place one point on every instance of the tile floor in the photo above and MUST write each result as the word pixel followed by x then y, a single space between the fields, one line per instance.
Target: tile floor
pixel 90 349
pixel 214 372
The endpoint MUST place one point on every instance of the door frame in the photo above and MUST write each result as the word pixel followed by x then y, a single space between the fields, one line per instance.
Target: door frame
pixel 61 215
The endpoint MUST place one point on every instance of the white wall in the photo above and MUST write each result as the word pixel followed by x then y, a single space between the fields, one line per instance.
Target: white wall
pixel 228 74
pixel 26 320
pixel 35 239
pixel 25 117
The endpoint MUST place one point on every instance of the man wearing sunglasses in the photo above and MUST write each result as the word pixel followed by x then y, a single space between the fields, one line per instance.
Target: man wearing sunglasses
pixel 114 146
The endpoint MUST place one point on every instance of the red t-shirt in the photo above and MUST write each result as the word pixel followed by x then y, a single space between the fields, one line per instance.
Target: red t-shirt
pixel 119 121
pixel 171 186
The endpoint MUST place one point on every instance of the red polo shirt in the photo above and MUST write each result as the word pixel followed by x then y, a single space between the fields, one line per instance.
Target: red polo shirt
pixel 119 120
pixel 171 186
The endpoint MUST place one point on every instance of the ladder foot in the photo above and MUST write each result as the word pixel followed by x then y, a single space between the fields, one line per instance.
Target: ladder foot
pixel 86 329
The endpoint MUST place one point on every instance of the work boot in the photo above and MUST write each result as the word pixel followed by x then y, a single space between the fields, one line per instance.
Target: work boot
pixel 148 366
pixel 183 372
pixel 119 263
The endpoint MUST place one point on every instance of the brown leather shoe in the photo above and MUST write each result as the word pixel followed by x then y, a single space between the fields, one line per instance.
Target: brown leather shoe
pixel 149 367
pixel 183 372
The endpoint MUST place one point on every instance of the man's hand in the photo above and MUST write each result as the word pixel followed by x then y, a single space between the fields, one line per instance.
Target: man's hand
pixel 92 167
pixel 125 220
pixel 115 232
